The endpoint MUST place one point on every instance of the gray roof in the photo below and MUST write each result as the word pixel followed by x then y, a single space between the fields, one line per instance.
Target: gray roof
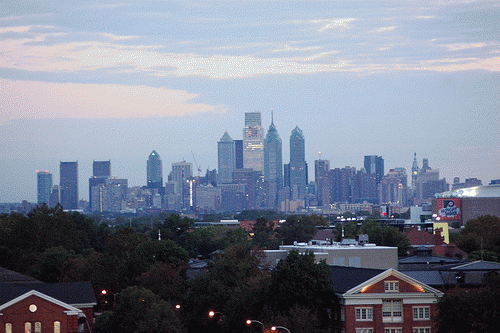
pixel 345 278
pixel 69 293
pixel 8 276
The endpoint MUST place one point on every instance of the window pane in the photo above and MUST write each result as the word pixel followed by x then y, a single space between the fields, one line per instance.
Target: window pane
pixel 57 327
pixel 27 327
pixel 8 328
pixel 38 327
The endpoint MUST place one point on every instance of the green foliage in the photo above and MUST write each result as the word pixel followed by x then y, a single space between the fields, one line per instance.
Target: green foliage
pixel 300 228
pixel 297 282
pixel 141 311
pixel 385 235
pixel 252 215
pixel 203 241
pixel 175 226
pixel 49 265
pixel 464 311
pixel 234 286
pixel 264 235
pixel 482 233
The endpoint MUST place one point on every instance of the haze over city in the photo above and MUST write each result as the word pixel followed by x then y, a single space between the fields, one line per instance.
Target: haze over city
pixel 111 80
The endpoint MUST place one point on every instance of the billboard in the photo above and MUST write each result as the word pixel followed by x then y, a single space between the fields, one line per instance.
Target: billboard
pixel 449 209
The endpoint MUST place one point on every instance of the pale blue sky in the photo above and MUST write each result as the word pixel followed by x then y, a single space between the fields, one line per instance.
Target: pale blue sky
pixel 114 80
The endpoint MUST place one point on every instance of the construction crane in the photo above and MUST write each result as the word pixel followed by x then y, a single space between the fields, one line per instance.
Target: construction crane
pixel 196 164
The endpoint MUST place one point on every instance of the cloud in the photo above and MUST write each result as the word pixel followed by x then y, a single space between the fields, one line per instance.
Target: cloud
pixel 34 100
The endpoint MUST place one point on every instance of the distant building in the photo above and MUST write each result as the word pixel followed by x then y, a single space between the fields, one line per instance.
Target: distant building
pixel 273 165
pixel 110 196
pixel 391 189
pixel 253 142
pixel 238 154
pixel 364 187
pixel 101 170
pixel 321 170
pixel 69 185
pixel 208 198
pixel 44 186
pixel 374 165
pixel 181 172
pixel 226 159
pixel 340 184
pixel 154 171
pixel 469 182
pixel 298 165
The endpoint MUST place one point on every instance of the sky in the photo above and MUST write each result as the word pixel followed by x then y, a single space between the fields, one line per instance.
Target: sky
pixel 113 80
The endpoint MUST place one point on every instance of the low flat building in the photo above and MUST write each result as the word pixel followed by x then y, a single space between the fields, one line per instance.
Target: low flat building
pixel 337 254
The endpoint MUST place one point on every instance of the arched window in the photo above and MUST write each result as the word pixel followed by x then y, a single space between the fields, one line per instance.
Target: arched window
pixel 27 327
pixel 38 327
pixel 57 327
pixel 8 328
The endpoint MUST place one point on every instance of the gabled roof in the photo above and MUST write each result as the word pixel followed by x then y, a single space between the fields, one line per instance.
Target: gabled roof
pixel 392 272
pixel 344 278
pixel 69 309
pixel 78 294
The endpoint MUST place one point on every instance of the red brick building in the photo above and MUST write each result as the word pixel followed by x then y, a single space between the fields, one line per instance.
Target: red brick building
pixel 41 307
pixel 387 302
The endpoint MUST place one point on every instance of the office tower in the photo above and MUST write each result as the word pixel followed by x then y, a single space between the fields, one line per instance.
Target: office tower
pixel 249 178
pixel 55 196
pixel 238 154
pixel 226 159
pixel 69 184
pixel 298 166
pixel 253 142
pixel 273 165
pixel 321 170
pixel 375 165
pixel 181 172
pixel 109 196
pixel 340 184
pixel 364 187
pixel 101 170
pixel 391 189
pixel 154 171
pixel 44 186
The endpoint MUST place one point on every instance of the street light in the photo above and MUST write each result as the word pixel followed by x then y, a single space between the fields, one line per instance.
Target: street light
pixel 274 328
pixel 250 322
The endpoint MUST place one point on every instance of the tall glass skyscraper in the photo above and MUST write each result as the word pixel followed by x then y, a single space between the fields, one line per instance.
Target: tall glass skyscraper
pixel 375 165
pixel 44 186
pixel 69 184
pixel 226 158
pixel 253 142
pixel 298 166
pixel 101 171
pixel 154 171
pixel 273 164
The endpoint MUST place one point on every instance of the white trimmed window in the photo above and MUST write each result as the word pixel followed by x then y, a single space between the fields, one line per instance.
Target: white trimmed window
pixel 364 330
pixel 8 328
pixel 421 330
pixel 393 330
pixel 392 311
pixel 421 313
pixel 391 286
pixel 364 314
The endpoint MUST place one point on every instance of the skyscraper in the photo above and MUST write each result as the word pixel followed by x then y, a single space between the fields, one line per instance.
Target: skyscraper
pixel 273 165
pixel 154 171
pixel 298 166
pixel 101 170
pixel 226 158
pixel 181 172
pixel 69 184
pixel 375 165
pixel 44 186
pixel 321 171
pixel 238 153
pixel 253 142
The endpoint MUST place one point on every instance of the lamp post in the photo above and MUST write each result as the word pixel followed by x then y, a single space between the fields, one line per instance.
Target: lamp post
pixel 250 322
pixel 218 316
pixel 275 328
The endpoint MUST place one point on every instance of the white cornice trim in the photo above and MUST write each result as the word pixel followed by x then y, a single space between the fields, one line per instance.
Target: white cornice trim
pixel 42 296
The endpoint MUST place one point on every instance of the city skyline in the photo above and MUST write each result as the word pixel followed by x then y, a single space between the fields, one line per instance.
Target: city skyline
pixel 113 80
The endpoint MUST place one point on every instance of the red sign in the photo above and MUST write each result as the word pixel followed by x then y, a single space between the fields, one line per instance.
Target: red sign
pixel 449 209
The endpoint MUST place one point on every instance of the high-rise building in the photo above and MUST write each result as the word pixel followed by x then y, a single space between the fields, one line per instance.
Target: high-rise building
pixel 364 187
pixel 44 186
pixel 298 165
pixel 154 171
pixel 375 165
pixel 69 184
pixel 321 170
pixel 181 172
pixel 226 158
pixel 101 170
pixel 253 142
pixel 273 165
pixel 238 153
pixel 340 184
pixel 109 196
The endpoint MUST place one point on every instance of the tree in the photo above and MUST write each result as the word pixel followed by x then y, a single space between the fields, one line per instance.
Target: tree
pixel 298 283
pixel 139 310
pixel 300 228
pixel 233 286
pixel 263 234
pixel 482 233
pixel 385 235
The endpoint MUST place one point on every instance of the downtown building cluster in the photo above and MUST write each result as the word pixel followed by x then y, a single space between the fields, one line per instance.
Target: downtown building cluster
pixel 251 175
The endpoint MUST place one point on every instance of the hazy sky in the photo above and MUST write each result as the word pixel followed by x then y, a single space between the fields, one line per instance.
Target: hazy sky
pixel 113 80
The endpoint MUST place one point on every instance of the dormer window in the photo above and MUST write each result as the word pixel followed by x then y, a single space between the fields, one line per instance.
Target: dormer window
pixel 391 286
